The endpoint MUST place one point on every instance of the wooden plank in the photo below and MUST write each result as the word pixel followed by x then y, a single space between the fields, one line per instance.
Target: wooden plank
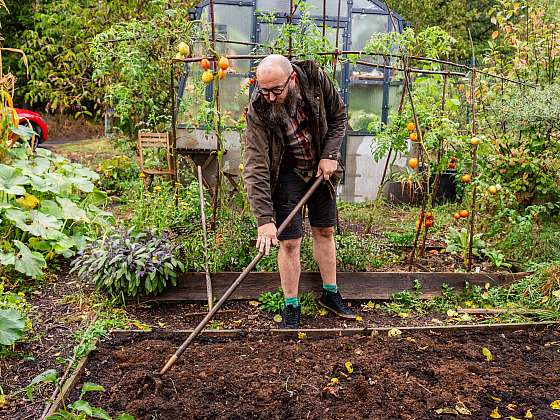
pixel 70 384
pixel 371 285
pixel 339 332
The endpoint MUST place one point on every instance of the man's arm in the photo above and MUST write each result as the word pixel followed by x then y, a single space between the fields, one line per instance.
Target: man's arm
pixel 336 117
pixel 256 172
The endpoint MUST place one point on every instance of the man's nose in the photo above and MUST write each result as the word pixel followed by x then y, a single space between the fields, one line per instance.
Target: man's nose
pixel 272 97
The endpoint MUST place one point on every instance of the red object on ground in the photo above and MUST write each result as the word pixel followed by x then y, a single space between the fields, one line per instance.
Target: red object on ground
pixel 36 121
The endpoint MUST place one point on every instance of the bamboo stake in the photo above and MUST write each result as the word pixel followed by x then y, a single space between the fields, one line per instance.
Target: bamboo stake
pixel 203 219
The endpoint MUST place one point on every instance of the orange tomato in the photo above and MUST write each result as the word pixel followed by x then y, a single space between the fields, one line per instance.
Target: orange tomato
pixel 205 64
pixel 456 216
pixel 410 126
pixel 413 163
pixel 466 178
pixel 223 63
pixel 413 136
pixel 464 213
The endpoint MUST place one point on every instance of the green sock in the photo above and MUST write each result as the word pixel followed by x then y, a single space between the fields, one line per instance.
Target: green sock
pixel 294 301
pixel 330 288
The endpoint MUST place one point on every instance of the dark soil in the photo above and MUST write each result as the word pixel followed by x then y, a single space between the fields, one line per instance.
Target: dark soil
pixel 47 346
pixel 405 377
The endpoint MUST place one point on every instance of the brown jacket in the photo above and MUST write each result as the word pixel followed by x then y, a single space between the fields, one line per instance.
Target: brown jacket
pixel 264 142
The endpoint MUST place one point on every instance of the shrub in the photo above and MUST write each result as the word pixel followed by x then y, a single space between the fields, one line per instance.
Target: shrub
pixel 129 264
pixel 48 208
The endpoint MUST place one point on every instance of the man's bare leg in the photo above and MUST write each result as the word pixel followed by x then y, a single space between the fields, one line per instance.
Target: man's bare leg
pixel 289 266
pixel 324 252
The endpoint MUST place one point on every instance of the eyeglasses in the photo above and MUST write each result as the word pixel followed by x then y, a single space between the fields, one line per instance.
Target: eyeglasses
pixel 275 90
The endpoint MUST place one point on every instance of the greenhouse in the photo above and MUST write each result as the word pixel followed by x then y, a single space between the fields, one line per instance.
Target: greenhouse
pixel 244 28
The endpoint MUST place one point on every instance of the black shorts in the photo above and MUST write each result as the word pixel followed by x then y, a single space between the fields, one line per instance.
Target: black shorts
pixel 290 189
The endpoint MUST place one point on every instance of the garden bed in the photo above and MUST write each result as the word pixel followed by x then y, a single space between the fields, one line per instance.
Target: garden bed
pixel 415 375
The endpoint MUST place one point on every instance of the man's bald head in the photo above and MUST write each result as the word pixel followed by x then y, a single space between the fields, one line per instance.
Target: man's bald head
pixel 274 66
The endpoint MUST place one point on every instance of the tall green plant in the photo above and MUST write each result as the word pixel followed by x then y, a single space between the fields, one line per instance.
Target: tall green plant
pixel 134 73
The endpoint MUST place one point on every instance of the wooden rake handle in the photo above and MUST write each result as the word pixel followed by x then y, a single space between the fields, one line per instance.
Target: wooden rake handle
pixel 237 282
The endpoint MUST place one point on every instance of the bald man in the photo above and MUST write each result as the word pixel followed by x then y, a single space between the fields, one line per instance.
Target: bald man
pixel 295 123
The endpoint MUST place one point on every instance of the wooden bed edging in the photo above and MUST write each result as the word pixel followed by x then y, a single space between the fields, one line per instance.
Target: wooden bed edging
pixel 371 285
pixel 70 383
pixel 334 332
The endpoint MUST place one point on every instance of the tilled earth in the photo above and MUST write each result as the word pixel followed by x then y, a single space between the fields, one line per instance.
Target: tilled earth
pixel 420 375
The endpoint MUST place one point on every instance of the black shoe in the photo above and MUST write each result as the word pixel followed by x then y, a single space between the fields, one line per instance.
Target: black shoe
pixel 334 303
pixel 290 317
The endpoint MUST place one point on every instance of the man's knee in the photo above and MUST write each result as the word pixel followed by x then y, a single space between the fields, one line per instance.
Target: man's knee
pixel 322 233
pixel 291 245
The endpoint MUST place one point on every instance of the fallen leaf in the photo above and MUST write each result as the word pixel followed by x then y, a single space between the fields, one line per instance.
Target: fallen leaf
pixel 141 326
pixel 373 333
pixel 236 321
pixel 496 398
pixel 359 352
pixel 332 390
pixel 447 410
pixel 513 418
pixel 254 303
pixel 487 286
pixel 452 312
pixel 466 317
pixel 495 34
pixel 394 332
pixel 487 354
pixel 349 367
pixel 422 348
pixel 556 294
pixel 403 314
pixel 161 324
pixel 323 312
pixel 277 318
pixel 462 409
pixel 359 318
pixel 411 339
pixel 511 407
pixel 495 414
pixel 301 335
pixel 370 305
pixel 528 414
pixel 335 381
pixel 4 403
pixel 555 405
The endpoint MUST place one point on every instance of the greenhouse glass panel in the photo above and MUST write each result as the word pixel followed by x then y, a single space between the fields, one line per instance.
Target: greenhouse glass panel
pixel 233 100
pixel 363 26
pixel 366 100
pixel 193 97
pixel 316 8
pixel 268 33
pixel 281 6
pixel 233 23
pixel 366 4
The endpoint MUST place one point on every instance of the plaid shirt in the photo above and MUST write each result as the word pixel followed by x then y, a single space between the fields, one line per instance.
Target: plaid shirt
pixel 299 153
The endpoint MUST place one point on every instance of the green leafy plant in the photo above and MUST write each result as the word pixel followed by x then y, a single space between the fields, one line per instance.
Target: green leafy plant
pixel 273 302
pixel 48 208
pixel 496 258
pixel 12 326
pixel 117 174
pixel 458 243
pixel 400 239
pixel 129 264
pixel 79 409
pixel 14 316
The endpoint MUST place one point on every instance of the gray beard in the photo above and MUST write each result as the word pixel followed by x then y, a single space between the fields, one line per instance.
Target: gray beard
pixel 281 114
